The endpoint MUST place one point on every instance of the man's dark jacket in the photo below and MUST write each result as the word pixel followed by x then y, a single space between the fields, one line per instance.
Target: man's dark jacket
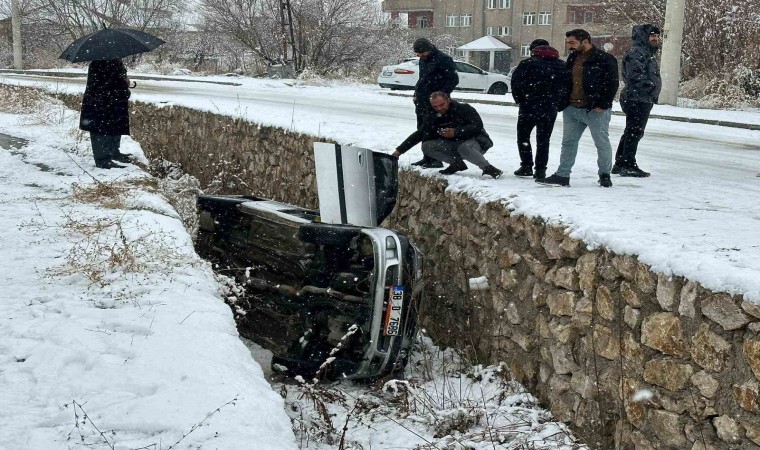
pixel 437 73
pixel 600 79
pixel 540 83
pixel 463 118
pixel 641 73
pixel 105 105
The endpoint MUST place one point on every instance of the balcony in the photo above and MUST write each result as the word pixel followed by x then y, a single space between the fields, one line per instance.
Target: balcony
pixel 407 5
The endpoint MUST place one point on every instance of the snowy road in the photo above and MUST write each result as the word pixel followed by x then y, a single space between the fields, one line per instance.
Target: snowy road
pixel 697 216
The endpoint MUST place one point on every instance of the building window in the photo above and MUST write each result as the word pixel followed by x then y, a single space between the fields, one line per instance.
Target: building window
pixel 504 31
pixel 491 4
pixel 525 50
pixel 452 21
pixel 529 18
pixel 489 31
pixel 571 17
pixel 465 20
pixel 545 18
pixel 422 22
pixel 505 4
pixel 589 17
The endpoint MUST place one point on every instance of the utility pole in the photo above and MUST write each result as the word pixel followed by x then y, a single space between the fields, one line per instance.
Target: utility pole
pixel 671 51
pixel 16 24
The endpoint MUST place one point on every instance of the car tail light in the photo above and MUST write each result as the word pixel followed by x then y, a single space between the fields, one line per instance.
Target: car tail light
pixel 403 71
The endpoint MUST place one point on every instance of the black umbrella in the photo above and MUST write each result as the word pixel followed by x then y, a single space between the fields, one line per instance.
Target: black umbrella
pixel 110 43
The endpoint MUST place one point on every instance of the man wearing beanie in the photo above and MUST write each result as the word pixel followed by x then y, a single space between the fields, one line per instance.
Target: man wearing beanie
pixel 641 75
pixel 437 74
pixel 539 84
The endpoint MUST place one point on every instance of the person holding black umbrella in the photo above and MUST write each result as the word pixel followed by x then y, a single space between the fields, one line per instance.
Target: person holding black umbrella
pixel 105 105
pixel 105 111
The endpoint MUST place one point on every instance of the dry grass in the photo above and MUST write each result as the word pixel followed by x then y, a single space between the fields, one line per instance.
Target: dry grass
pixel 111 194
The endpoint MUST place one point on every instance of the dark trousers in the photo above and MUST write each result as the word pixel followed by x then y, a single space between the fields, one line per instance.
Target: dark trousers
pixel 420 109
pixel 543 122
pixel 105 146
pixel 636 117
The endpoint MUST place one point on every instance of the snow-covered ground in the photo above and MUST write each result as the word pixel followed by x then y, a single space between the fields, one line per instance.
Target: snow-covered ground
pixel 697 216
pixel 115 335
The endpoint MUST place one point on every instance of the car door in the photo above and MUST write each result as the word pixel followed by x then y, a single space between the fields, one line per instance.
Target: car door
pixel 470 77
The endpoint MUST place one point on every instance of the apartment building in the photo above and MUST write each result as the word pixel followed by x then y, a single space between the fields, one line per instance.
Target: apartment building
pixel 514 22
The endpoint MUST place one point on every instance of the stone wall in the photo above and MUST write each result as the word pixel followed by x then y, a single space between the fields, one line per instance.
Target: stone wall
pixel 631 358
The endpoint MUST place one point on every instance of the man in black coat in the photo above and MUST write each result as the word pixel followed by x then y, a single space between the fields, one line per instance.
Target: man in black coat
pixel 641 75
pixel 105 111
pixel 437 73
pixel 539 85
pixel 452 133
pixel 589 105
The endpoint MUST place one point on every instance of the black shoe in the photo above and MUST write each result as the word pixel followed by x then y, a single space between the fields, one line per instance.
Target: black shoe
pixel 524 171
pixel 432 164
pixel 493 171
pixel 122 157
pixel 454 168
pixel 554 180
pixel 428 163
pixel 539 174
pixel 633 171
pixel 108 164
pixel 605 180
pixel 616 169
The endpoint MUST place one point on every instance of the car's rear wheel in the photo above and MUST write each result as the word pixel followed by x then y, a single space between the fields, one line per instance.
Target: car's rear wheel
pixel 498 89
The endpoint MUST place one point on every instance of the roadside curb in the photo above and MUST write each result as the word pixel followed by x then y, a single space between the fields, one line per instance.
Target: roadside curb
pixel 131 77
pixel 720 123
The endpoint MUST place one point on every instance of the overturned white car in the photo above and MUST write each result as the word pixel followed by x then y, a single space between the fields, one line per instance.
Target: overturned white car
pixel 328 292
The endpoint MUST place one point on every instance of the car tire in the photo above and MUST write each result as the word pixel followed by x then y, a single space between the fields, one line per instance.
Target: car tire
pixel 498 89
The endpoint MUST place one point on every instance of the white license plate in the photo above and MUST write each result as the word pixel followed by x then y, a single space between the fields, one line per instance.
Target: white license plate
pixel 387 73
pixel 393 313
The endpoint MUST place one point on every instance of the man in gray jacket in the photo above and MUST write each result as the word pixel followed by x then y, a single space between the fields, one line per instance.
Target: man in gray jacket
pixel 641 75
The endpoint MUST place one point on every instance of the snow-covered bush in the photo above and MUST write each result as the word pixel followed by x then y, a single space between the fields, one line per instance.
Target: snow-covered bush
pixel 738 89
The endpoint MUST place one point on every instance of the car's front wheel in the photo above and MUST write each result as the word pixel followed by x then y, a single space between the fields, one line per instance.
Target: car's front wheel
pixel 498 89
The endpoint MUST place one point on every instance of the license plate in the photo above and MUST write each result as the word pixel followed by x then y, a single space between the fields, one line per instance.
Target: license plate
pixel 387 73
pixel 393 313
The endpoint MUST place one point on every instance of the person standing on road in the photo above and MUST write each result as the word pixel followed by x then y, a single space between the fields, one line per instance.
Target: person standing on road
pixel 592 90
pixel 453 133
pixel 539 86
pixel 437 73
pixel 641 75
pixel 105 111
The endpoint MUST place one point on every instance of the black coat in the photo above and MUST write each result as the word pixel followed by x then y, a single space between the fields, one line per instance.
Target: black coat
pixel 437 73
pixel 641 73
pixel 463 118
pixel 600 79
pixel 540 83
pixel 105 105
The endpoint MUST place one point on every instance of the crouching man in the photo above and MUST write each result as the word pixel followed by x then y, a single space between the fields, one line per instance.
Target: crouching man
pixel 453 133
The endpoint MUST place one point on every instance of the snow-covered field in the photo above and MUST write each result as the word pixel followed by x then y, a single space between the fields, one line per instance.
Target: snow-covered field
pixel 115 335
pixel 697 216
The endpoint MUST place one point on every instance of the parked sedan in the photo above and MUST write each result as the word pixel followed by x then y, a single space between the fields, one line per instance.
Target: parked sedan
pixel 405 75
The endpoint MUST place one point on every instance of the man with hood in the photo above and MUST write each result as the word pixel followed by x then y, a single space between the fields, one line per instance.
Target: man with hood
pixel 641 75
pixel 539 84
pixel 437 74
pixel 594 83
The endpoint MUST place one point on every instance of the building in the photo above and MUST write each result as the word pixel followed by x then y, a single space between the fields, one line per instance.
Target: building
pixel 515 22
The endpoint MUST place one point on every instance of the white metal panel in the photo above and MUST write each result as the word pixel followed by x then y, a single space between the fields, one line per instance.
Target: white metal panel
pixel 345 184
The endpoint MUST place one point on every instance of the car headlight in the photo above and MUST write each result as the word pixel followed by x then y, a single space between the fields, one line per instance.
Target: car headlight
pixel 390 248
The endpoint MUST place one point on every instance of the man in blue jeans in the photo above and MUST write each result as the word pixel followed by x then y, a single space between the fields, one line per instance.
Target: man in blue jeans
pixel 594 85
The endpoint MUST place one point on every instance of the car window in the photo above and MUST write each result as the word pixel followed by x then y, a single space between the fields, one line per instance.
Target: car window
pixel 466 68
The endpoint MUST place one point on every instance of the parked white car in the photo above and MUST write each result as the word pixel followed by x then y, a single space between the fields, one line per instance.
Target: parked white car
pixel 405 75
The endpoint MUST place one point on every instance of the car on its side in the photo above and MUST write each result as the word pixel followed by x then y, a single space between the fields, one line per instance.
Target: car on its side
pixel 330 300
pixel 471 78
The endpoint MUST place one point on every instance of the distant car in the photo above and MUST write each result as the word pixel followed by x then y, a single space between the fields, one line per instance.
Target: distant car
pixel 405 75
pixel 340 299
